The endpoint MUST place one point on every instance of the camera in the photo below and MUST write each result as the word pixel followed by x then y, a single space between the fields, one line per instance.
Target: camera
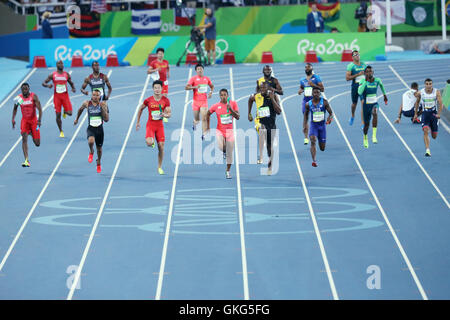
pixel 196 36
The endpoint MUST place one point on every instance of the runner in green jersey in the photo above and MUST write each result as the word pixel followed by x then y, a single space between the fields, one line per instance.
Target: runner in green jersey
pixel 368 92
pixel 355 73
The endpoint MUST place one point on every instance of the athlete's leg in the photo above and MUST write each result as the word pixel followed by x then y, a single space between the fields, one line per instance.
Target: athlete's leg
pixel 25 145
pixel 229 147
pixel 150 141
pixel 37 142
pixel 59 121
pixel 160 153
pixel 196 117
pixel 203 112
pixel 262 137
pixel 313 147
pixel 374 124
pixel 426 138
pixel 99 155
pixel 322 146
pixel 91 141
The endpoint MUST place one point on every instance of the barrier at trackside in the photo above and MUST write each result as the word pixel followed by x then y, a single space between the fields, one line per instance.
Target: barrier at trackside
pixel 246 48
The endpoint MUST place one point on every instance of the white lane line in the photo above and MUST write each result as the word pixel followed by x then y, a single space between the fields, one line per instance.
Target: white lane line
pixel 308 200
pixel 409 149
pixel 172 199
pixel 383 213
pixel 47 104
pixel 50 178
pixel 241 215
pixel 17 87
pixel 105 197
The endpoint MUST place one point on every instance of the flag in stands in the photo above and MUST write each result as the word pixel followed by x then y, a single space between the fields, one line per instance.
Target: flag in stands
pixel 182 16
pixel 146 21
pixel 397 11
pixel 56 19
pixel 98 6
pixel 330 12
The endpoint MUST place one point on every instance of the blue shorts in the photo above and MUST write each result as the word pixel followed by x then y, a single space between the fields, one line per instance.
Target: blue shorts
pixel 367 111
pixel 429 120
pixel 319 131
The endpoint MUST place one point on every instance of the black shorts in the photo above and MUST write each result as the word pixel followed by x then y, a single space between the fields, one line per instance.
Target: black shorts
pixel 97 133
pixel 355 93
pixel 429 120
pixel 367 111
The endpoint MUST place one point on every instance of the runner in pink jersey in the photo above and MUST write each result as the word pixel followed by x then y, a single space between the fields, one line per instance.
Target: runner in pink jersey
pixel 199 84
pixel 225 110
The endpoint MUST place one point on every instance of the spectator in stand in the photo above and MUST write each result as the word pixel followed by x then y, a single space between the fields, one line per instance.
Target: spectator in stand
pixel 361 14
pixel 314 20
pixel 334 30
pixel 47 32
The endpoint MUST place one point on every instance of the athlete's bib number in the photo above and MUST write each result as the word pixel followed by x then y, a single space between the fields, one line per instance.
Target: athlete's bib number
pixel 95 121
pixel 226 118
pixel 429 104
pixel 359 79
pixel 371 99
pixel 60 88
pixel 308 91
pixel 202 88
pixel 156 115
pixel 264 112
pixel 318 116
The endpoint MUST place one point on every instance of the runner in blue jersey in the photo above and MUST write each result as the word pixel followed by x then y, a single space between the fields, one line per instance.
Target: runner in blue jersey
pixel 307 84
pixel 318 107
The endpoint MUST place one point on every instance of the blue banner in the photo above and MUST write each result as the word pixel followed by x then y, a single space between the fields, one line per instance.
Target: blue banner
pixel 90 49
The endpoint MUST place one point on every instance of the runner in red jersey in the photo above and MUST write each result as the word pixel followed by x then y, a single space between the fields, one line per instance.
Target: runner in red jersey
pixel 225 110
pixel 199 84
pixel 60 78
pixel 159 68
pixel 158 108
pixel 30 124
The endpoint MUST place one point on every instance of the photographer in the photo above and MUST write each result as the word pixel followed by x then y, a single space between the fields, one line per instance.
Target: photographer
pixel 210 34
pixel 361 14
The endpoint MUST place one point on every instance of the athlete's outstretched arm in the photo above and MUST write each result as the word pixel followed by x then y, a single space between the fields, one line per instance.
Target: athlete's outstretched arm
pixel 362 87
pixel 250 105
pixel 383 90
pixel 84 85
pixel 416 105
pixel 320 86
pixel 278 89
pixel 233 112
pixel 167 113
pixel 80 111
pixel 439 100
pixel 16 105
pixel 105 113
pixel 46 83
pixel 108 84
pixel 330 112
pixel 69 80
pixel 399 113
pixel 141 108
pixel 275 102
pixel 305 117
pixel 208 118
pixel 257 86
pixel 190 87
pixel 39 107
pixel 211 86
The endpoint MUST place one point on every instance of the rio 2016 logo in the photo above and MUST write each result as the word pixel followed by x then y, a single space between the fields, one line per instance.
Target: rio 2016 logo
pixel 329 47
pixel 88 53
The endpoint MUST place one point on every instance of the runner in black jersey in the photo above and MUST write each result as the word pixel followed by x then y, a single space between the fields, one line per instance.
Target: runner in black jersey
pixel 267 109
pixel 97 114
pixel 97 80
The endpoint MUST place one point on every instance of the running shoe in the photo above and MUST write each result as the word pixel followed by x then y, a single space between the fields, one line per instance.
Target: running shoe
pixel 64 115
pixel 259 161
pixel 153 145
pixel 160 171
pixel 428 153
pixel 269 171
pixel 374 139
pixel 366 142
pixel 228 175
pixel 305 141
pixel 61 135
pixel 314 164
pixel 165 120
pixel 91 157
pixel 25 164
pixel 99 168
pixel 351 121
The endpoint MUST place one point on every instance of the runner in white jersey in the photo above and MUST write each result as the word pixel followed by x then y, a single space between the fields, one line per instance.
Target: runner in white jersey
pixel 430 98
pixel 408 102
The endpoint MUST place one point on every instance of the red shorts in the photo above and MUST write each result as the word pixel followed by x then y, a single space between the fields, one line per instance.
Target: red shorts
pixel 155 130
pixel 196 105
pixel 30 126
pixel 62 100
pixel 227 133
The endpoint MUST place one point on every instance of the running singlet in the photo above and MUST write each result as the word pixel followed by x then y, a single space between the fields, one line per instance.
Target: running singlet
pixel 164 65
pixel 203 83
pixel 264 107
pixel 95 114
pixel 97 83
pixel 317 112
pixel 27 106
pixel 354 69
pixel 428 100
pixel 224 117
pixel 307 93
pixel 60 81
pixel 270 81
pixel 156 108
pixel 368 90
